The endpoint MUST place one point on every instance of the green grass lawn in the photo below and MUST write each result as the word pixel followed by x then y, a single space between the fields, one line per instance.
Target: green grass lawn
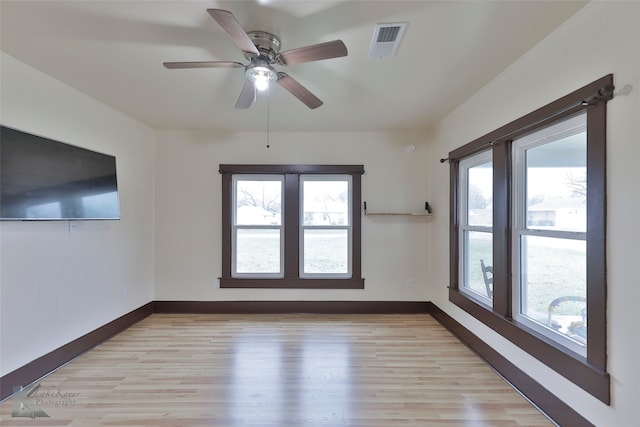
pixel 325 251
pixel 556 267
pixel 258 251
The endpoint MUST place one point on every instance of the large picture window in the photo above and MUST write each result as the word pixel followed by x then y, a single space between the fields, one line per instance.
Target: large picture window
pixel 291 226
pixel 528 237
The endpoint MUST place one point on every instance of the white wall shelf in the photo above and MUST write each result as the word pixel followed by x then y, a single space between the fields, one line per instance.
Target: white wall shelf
pixel 426 212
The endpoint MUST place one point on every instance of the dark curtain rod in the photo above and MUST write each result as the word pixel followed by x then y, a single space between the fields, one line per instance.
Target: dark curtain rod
pixel 605 93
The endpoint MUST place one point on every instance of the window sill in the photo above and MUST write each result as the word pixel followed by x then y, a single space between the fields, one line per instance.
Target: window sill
pixel 292 283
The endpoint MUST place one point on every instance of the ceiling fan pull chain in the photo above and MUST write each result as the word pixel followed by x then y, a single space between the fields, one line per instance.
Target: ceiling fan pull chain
pixel 268 115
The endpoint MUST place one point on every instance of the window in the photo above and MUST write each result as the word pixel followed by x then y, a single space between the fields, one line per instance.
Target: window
pixel 549 232
pixel 325 229
pixel 476 226
pixel 291 226
pixel 528 234
pixel 257 226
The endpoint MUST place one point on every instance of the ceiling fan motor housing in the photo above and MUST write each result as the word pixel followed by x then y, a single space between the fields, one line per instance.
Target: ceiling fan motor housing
pixel 268 46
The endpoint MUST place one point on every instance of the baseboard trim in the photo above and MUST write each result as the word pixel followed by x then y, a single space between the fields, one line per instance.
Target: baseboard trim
pixel 556 409
pixel 43 365
pixel 274 307
pixel 548 403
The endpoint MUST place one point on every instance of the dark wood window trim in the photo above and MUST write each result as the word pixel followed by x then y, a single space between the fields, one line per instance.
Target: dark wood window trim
pixel 588 373
pixel 291 278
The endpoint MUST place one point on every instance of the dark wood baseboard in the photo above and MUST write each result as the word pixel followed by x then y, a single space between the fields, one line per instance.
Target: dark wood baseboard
pixel 553 407
pixel 43 365
pixel 319 307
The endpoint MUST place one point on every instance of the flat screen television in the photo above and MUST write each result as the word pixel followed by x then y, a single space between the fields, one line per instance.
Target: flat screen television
pixel 42 179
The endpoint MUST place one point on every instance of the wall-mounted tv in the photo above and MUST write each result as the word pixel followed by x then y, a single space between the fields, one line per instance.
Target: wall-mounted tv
pixel 42 179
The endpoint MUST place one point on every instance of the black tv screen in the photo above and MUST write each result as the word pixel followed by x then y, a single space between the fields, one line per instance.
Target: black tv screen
pixel 42 179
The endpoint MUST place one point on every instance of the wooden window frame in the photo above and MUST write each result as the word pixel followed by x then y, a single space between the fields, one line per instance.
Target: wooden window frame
pixel 291 218
pixel 588 372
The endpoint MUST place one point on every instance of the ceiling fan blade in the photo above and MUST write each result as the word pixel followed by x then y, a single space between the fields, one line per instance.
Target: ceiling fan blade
pixel 203 64
pixel 316 52
pixel 247 95
pixel 299 91
pixel 229 23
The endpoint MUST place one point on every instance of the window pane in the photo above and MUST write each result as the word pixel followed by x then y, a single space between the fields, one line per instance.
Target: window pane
pixel 480 195
pixel 554 284
pixel 258 251
pixel 326 251
pixel 479 253
pixel 258 202
pixel 326 202
pixel 556 184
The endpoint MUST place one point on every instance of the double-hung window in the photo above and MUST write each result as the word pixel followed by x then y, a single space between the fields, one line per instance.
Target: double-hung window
pixel 476 226
pixel 291 226
pixel 325 228
pixel 528 233
pixel 549 234
pixel 257 229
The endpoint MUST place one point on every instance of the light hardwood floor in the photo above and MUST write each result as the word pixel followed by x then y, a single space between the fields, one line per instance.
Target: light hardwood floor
pixel 278 370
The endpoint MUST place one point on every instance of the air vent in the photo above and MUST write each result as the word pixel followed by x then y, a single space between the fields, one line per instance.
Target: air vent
pixel 386 39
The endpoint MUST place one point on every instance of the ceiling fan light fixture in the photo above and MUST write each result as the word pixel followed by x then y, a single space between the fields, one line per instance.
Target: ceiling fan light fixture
pixel 261 74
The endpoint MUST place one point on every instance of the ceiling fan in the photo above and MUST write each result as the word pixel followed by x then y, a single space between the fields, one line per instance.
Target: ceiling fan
pixel 262 49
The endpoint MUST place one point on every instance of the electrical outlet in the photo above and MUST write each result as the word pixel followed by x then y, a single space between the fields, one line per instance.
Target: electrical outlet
pixel 408 282
pixel 123 293
pixel 72 226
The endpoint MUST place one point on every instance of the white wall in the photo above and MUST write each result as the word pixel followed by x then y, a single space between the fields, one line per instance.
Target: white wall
pixel 188 212
pixel 55 286
pixel 600 39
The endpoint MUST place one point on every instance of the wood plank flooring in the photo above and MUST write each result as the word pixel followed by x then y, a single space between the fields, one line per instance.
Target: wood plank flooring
pixel 291 370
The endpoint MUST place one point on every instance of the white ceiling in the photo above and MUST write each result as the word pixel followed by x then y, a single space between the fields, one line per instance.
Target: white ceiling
pixel 113 51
